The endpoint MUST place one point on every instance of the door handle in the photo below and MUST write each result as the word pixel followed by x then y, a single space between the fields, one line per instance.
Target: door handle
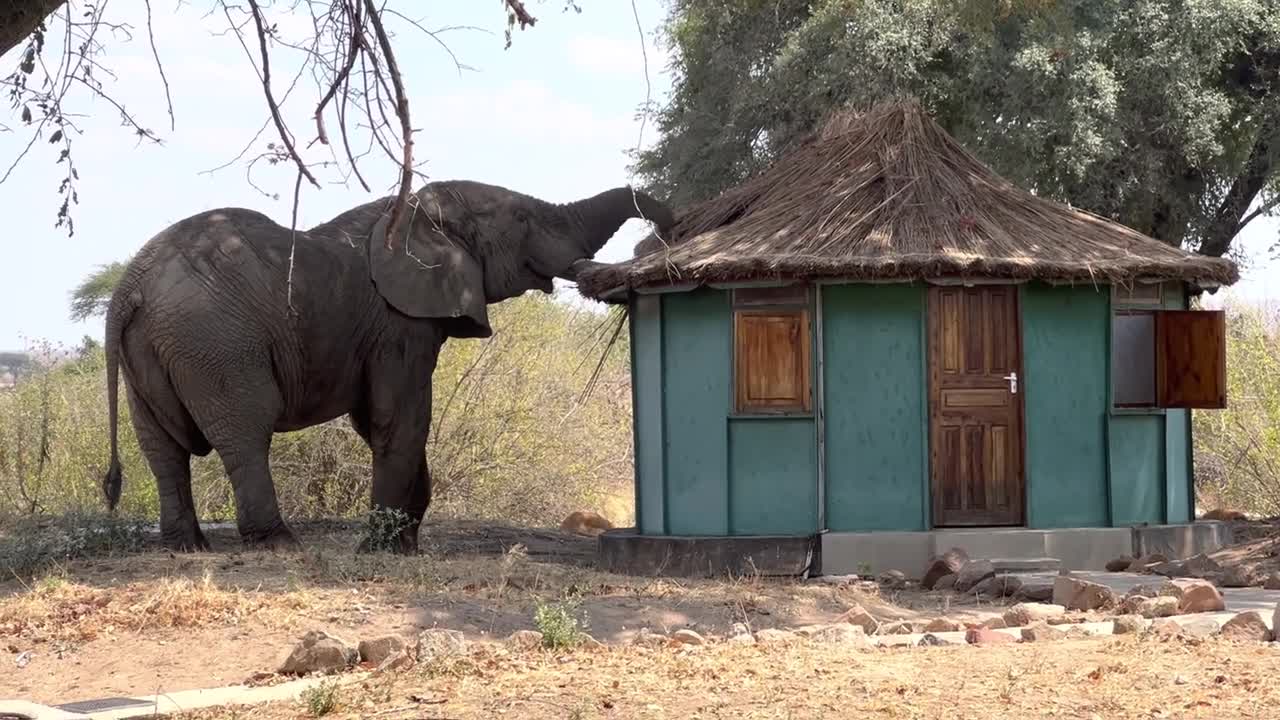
pixel 1013 382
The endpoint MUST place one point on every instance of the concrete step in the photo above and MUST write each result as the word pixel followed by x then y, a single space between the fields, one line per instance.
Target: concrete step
pixel 1026 565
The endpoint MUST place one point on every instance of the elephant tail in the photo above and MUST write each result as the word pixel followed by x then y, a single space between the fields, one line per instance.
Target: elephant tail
pixel 123 302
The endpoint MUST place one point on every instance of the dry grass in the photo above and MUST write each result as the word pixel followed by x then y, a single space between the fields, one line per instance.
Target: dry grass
pixel 1098 678
pixel 888 194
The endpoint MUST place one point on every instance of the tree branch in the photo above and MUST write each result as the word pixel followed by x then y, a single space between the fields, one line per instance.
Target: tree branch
pixel 402 110
pixel 271 100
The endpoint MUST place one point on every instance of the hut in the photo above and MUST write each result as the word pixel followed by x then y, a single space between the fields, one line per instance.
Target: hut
pixel 878 349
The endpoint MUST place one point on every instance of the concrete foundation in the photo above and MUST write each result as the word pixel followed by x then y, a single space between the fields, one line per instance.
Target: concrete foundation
pixel 1074 548
pixel 626 552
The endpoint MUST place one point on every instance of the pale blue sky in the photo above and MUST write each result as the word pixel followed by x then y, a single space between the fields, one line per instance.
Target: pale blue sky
pixel 552 116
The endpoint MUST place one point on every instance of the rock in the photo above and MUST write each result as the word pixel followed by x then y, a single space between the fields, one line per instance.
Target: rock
pixel 1247 627
pixel 524 640
pixel 987 636
pixel 1143 564
pixel 1272 582
pixel 1201 566
pixel 946 582
pixel 742 639
pixel 1120 564
pixel 774 636
pixel 931 640
pixel 1202 628
pixel 319 651
pixel 1075 594
pixel 837 579
pixel 1030 613
pixel 1151 607
pixel 1034 592
pixel 973 572
pixel 1166 628
pixel 1150 590
pixel 943 625
pixel 588 642
pixel 1042 632
pixel 379 649
pixel 687 637
pixel 1126 624
pixel 863 619
pixel 648 638
pixel 1201 597
pixel 1275 623
pixel 585 522
pixel 436 643
pixel 1237 577
pixel 399 660
pixel 948 563
pixel 835 633
pixel 1224 514
pixel 995 623
pixel 902 627
pixel 1068 619
pixel 892 580
pixel 997 586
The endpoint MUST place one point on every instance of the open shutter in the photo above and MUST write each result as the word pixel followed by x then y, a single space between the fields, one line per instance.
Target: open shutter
pixel 1191 359
pixel 772 361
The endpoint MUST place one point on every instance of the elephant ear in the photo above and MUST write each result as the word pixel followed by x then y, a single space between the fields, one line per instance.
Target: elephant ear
pixel 429 275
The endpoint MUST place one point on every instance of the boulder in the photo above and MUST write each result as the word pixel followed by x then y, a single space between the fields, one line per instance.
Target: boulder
pixel 946 582
pixel 647 638
pixel 1200 566
pixel 774 636
pixel 1075 594
pixel 835 633
pixel 399 660
pixel 856 615
pixel 943 625
pixel 1120 564
pixel 892 580
pixel 1204 627
pixel 1030 613
pixel 1247 627
pixel 1042 632
pixel 1144 564
pixel 740 634
pixel 524 640
pixel 1237 576
pixel 902 627
pixel 995 623
pixel 379 649
pixel 1126 624
pixel 987 636
pixel 931 640
pixel 997 586
pixel 948 563
pixel 1151 607
pixel 973 572
pixel 436 643
pixel 1034 592
pixel 585 522
pixel 1201 597
pixel 321 652
pixel 687 637
pixel 1272 582
pixel 1150 590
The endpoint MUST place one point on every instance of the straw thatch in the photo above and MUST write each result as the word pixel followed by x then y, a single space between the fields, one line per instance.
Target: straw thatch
pixel 889 195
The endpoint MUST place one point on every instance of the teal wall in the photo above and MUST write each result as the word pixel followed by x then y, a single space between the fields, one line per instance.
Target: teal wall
pixel 876 417
pixel 702 471
pixel 1065 345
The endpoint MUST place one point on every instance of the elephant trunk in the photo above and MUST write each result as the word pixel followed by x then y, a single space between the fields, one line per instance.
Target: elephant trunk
pixel 600 216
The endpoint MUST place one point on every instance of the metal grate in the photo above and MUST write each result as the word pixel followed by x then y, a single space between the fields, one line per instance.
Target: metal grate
pixel 114 703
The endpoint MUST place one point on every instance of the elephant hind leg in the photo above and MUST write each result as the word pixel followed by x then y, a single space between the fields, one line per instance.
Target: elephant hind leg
pixel 170 463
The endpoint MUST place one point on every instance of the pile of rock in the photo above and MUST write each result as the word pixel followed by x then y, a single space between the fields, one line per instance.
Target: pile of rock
pixel 1200 567
pixel 319 652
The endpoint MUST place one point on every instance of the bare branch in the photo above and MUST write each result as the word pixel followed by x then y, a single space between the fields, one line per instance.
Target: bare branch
pixel 271 100
pixel 168 99
pixel 402 110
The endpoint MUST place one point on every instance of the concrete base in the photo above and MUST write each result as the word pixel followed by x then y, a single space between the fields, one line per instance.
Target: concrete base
pixel 626 552
pixel 1074 548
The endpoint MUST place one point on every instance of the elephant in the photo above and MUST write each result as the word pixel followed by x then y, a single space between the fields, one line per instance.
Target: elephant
pixel 228 328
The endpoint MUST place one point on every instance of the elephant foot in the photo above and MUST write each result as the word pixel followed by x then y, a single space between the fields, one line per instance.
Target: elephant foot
pixel 186 539
pixel 404 544
pixel 279 538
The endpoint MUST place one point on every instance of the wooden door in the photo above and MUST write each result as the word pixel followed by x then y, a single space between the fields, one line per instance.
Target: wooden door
pixel 975 401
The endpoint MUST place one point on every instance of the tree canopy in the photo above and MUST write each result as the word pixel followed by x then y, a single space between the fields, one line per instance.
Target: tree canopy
pixel 1161 114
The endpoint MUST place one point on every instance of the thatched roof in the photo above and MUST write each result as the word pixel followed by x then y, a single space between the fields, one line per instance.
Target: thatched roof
pixel 889 195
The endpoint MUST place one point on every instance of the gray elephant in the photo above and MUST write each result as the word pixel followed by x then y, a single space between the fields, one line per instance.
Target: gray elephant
pixel 228 331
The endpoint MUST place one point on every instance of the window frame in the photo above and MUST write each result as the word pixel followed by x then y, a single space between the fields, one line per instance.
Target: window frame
pixel 795 299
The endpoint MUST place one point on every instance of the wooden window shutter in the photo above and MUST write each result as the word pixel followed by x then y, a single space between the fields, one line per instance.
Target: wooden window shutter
pixel 771 357
pixel 1191 359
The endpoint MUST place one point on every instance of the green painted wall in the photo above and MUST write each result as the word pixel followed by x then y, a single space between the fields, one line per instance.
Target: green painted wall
pixel 696 347
pixel 773 470
pixel 646 396
pixel 1137 469
pixel 1065 340
pixel 875 414
pixel 1177 425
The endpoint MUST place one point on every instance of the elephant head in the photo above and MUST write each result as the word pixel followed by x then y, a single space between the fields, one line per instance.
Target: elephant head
pixel 466 244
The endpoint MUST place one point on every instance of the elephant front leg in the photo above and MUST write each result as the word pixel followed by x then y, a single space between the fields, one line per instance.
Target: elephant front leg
pixel 401 494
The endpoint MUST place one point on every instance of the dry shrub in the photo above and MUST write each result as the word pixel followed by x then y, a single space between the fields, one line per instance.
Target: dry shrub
pixel 512 437
pixel 57 610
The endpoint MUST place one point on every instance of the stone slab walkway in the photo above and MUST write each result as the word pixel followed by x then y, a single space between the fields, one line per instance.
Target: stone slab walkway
pixel 1238 599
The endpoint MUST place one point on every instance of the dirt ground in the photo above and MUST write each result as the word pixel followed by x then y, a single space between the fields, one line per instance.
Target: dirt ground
pixel 159 622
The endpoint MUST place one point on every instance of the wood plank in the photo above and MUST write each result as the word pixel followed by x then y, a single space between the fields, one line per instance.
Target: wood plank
pixel 772 354
pixel 1191 359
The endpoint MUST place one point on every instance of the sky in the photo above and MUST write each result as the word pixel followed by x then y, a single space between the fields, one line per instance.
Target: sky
pixel 553 116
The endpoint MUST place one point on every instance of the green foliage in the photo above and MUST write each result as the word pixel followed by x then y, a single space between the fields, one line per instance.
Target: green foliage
pixel 559 623
pixel 35 545
pixel 320 699
pixel 512 438
pixel 93 294
pixel 384 528
pixel 1237 450
pixel 1163 114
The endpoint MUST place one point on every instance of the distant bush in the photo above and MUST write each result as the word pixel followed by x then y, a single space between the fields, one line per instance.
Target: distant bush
pixel 32 546
pixel 512 438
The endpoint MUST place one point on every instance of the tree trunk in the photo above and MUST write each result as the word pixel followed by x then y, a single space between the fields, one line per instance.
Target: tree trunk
pixel 18 18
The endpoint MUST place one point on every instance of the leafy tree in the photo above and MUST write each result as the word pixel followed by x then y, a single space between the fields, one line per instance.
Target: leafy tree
pixel 93 294
pixel 1162 114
